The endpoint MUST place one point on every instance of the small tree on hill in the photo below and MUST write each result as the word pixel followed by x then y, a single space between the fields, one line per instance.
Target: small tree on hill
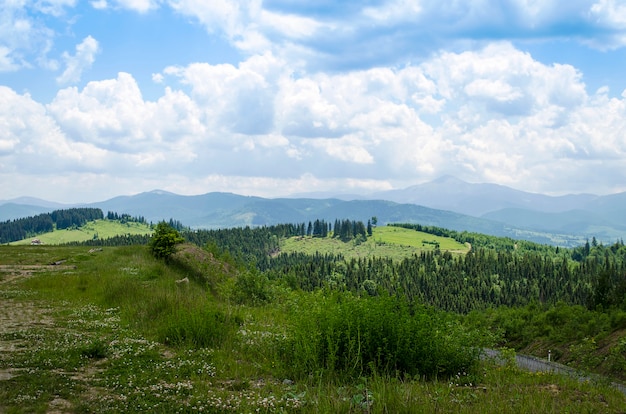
pixel 164 241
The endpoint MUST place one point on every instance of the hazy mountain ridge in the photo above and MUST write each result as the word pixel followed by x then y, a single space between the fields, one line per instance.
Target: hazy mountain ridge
pixel 450 193
pixel 447 202
pixel 11 211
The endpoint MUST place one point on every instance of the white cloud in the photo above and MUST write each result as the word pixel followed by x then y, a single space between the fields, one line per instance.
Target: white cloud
pixel 113 116
pixel 348 149
pixel 481 115
pixel 7 64
pixel 394 11
pixel 231 16
pixel 99 4
pixel 502 74
pixel 494 89
pixel 110 114
pixel 267 186
pixel 83 59
pixel 234 99
pixel 610 12
pixel 264 126
pixel 290 25
pixel 37 144
pixel 53 7
pixel 141 6
pixel 17 36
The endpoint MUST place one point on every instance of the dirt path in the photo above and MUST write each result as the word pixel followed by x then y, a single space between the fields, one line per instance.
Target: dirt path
pixel 19 314
pixel 16 315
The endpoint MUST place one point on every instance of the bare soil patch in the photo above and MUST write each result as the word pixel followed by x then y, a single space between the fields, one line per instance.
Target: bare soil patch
pixel 18 314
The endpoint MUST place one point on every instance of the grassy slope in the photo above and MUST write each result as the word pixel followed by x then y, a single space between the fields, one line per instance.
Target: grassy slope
pixel 99 352
pixel 387 241
pixel 103 228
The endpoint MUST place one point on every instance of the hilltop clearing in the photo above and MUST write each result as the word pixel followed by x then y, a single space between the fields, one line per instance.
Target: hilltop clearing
pixel 97 229
pixel 386 241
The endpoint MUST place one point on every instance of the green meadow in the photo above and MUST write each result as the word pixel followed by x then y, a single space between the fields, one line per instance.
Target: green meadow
pixel 386 241
pixel 101 229
pixel 115 330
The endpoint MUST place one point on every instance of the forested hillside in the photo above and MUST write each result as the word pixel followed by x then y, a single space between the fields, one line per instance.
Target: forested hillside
pixel 13 230
pixel 497 271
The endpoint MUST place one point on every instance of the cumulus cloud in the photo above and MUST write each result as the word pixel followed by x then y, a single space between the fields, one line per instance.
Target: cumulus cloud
pixel 34 143
pixel 451 114
pixel 235 99
pixel 83 59
pixel 113 115
pixel 392 112
pixel 415 90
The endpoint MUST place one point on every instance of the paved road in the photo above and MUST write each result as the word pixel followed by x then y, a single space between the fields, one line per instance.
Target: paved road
pixel 535 364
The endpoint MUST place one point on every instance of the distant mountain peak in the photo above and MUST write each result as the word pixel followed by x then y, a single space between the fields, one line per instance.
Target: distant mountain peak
pixel 160 192
pixel 448 179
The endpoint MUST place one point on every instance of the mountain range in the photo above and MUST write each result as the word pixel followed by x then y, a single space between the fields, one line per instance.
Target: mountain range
pixel 446 202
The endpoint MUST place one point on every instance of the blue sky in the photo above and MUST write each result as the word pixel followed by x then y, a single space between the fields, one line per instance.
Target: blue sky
pixel 108 97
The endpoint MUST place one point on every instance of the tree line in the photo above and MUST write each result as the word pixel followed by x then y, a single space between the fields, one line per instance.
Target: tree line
pixel 18 229
pixel 496 272
pixel 125 218
pixel 461 283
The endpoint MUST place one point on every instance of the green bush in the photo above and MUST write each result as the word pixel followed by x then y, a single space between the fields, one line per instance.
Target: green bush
pixel 347 336
pixel 164 241
pixel 252 288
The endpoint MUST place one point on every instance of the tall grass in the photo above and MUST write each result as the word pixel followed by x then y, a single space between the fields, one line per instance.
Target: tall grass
pixel 340 335
pixel 196 326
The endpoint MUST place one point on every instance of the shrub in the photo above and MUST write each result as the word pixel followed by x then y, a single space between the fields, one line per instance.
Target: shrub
pixel 252 287
pixel 349 337
pixel 164 241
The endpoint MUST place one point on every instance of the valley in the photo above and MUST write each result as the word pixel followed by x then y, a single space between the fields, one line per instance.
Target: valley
pixel 294 318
